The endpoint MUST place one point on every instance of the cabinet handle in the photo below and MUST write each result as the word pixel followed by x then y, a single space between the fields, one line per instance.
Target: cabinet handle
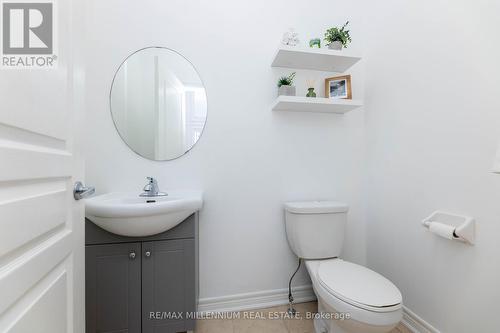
pixel 148 254
pixel 131 255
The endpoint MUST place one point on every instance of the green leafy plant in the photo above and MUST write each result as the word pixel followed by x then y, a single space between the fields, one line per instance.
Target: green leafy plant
pixel 286 80
pixel 338 35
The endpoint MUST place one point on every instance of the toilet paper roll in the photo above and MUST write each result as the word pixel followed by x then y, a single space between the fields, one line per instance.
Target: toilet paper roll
pixel 441 229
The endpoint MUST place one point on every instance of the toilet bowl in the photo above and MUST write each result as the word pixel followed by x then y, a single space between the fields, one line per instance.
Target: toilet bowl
pixel 351 298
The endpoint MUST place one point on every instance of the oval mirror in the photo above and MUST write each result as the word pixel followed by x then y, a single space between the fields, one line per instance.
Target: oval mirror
pixel 158 103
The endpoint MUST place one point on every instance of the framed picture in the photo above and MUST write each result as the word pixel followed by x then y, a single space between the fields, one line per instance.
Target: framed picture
pixel 338 87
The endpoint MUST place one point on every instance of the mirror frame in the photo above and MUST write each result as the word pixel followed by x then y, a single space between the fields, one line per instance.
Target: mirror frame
pixel 111 106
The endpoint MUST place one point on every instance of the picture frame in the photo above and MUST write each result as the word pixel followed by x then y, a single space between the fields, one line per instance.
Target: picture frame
pixel 338 87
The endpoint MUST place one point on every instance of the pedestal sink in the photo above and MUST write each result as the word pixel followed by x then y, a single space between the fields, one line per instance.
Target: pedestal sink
pixel 128 214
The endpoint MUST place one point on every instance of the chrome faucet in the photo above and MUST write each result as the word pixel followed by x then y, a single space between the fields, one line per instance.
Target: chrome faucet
pixel 151 189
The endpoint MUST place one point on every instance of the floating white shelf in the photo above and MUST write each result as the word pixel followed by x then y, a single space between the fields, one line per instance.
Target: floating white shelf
pixel 315 59
pixel 318 104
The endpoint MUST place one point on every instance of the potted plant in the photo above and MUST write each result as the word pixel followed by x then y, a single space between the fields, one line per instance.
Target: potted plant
pixel 337 38
pixel 285 85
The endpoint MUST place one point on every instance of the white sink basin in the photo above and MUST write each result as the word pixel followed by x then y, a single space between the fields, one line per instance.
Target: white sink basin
pixel 128 214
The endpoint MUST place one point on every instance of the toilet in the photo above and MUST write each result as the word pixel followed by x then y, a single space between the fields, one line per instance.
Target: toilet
pixel 351 298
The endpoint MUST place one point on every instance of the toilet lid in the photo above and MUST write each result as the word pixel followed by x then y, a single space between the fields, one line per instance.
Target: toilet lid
pixel 358 285
pixel 316 207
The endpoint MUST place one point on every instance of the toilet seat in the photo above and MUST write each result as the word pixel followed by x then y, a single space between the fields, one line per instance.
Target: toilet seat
pixel 342 299
pixel 348 285
pixel 358 286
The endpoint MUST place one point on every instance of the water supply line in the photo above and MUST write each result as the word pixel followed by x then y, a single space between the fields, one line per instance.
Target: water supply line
pixel 291 310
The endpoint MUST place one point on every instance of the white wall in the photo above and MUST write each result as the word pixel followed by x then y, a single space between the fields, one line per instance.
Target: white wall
pixel 249 159
pixel 433 123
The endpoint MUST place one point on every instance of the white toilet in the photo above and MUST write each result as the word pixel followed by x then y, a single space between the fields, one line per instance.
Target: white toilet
pixel 351 298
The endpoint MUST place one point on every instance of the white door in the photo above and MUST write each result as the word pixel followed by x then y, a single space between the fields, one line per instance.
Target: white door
pixel 41 225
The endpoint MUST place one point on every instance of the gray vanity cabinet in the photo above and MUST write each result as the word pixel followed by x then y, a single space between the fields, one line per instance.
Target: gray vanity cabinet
pixel 141 285
pixel 113 288
pixel 167 287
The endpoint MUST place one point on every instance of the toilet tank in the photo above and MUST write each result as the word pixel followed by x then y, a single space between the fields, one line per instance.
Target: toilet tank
pixel 315 229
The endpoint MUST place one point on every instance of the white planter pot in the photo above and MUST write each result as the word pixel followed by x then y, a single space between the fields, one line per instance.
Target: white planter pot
pixel 286 91
pixel 335 46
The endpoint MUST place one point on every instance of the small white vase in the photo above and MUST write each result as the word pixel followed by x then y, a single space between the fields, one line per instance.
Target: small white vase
pixel 335 46
pixel 286 90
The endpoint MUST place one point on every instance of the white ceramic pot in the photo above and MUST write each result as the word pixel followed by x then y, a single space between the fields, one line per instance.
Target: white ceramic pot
pixel 335 46
pixel 286 91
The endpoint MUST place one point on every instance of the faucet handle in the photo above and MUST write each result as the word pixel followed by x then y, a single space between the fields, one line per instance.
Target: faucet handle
pixel 151 189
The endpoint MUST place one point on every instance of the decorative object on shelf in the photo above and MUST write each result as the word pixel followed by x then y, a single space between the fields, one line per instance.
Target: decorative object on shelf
pixel 337 38
pixel 310 92
pixel 315 42
pixel 290 38
pixel 338 87
pixel 337 46
pixel 285 85
pixel 310 88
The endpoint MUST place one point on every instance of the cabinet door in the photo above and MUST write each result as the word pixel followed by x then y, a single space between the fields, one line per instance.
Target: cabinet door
pixel 168 286
pixel 113 288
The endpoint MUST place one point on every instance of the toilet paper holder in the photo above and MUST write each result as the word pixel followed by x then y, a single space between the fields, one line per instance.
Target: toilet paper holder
pixel 462 228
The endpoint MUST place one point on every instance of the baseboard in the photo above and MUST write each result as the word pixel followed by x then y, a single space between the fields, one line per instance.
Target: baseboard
pixel 255 300
pixel 416 324
pixel 270 298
